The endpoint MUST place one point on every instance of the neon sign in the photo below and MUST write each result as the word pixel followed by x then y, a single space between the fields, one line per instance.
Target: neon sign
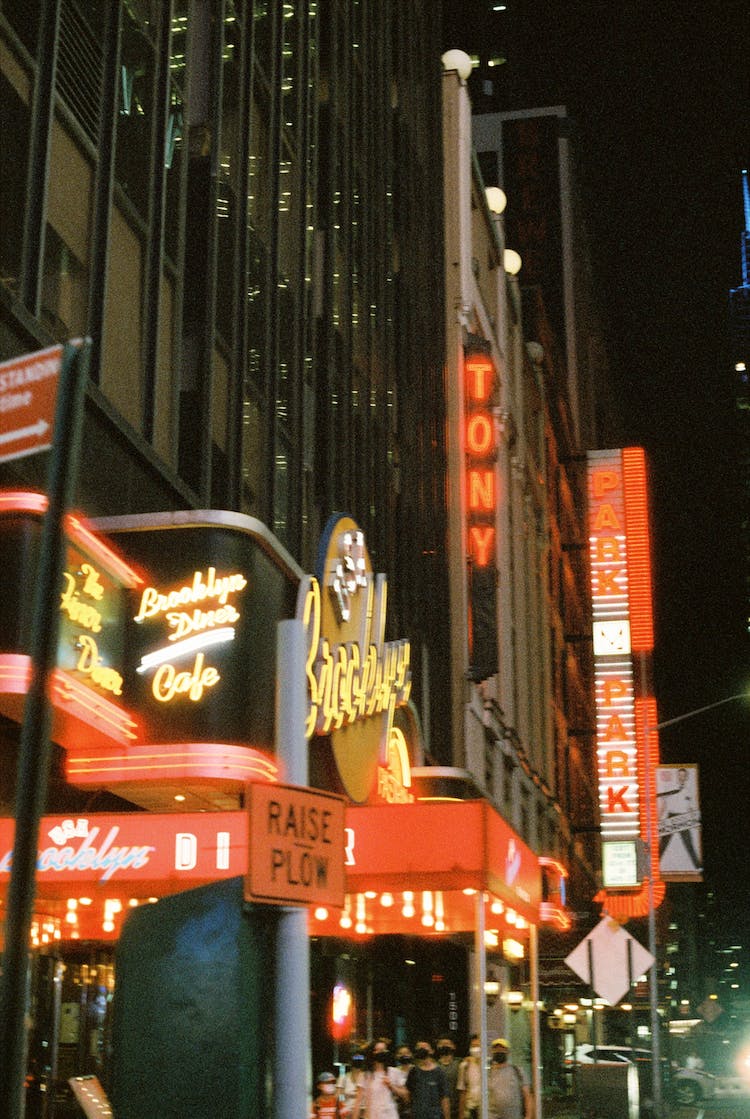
pixel 617 755
pixel 481 498
pixel 356 679
pixel 192 630
pixel 622 627
pixel 394 778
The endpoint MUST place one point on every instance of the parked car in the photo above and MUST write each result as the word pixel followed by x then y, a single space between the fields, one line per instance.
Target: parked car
pixel 693 1085
pixel 610 1054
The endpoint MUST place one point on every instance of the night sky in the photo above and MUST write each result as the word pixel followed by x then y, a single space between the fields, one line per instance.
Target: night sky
pixel 660 96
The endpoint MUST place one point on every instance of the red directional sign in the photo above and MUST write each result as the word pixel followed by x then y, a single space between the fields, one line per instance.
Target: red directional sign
pixel 28 390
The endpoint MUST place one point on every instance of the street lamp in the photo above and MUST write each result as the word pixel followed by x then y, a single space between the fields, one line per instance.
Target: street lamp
pixel 652 947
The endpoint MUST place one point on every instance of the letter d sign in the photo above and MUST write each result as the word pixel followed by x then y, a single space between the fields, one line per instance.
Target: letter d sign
pixel 185 851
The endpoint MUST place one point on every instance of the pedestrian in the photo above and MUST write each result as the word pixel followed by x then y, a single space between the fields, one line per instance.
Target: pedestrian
pixel 327 1104
pixel 469 1082
pixel 353 1079
pixel 377 1098
pixel 427 1086
pixel 508 1093
pixel 446 1055
pixel 404 1062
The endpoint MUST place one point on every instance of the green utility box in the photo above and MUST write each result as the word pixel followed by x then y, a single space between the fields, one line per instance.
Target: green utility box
pixel 191 1034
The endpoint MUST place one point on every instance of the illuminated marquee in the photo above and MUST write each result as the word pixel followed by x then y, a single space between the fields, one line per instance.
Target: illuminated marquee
pixel 617 753
pixel 91 609
pixel 356 679
pixel 88 683
pixel 192 628
pixel 622 626
pixel 481 497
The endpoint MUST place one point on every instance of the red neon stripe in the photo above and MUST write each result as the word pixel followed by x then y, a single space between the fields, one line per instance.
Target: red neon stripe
pixel 638 549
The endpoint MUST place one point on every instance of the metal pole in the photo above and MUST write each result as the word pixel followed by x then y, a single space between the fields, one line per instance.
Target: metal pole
pixel 536 1038
pixel 35 747
pixel 292 1076
pixel 653 975
pixel 480 951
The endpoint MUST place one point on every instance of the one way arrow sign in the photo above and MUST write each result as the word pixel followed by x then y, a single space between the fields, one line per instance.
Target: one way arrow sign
pixel 28 393
pixel 609 959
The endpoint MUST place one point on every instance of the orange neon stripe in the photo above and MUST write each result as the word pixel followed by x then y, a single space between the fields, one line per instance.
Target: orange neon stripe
pixel 624 906
pixel 68 695
pixel 638 549
pixel 85 704
pixel 106 556
pixel 212 761
pixel 21 501
pixel 24 501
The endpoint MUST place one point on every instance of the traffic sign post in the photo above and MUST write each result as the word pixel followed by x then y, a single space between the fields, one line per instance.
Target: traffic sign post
pixel 28 391
pixel 35 749
pixel 608 959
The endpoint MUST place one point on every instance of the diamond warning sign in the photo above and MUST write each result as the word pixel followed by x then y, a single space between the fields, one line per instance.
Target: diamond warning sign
pixel 28 390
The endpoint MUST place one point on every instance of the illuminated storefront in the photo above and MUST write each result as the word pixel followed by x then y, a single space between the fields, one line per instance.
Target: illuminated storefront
pixel 163 699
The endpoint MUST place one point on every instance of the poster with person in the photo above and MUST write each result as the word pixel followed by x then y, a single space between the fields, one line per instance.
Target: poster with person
pixel 679 823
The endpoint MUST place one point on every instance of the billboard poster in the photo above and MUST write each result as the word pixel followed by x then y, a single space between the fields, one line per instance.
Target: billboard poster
pixel 679 823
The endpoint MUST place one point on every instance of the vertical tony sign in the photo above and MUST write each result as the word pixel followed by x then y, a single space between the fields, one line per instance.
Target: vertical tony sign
pixel 621 596
pixel 480 443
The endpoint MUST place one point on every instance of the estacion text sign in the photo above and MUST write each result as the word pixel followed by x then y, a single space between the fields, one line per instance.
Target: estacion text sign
pixel 28 391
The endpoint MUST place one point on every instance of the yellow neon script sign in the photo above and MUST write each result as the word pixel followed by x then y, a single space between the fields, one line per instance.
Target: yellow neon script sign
pixel 199 615
pixel 351 681
pixel 82 595
pixel 355 678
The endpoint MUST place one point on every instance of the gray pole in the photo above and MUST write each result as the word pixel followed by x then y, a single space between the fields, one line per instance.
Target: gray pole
pixel 35 748
pixel 480 951
pixel 653 975
pixel 536 1035
pixel 292 1077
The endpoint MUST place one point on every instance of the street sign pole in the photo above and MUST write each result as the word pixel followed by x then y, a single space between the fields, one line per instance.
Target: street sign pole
pixel 34 749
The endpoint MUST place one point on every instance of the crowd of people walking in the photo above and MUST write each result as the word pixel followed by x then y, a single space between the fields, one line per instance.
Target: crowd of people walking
pixel 426 1082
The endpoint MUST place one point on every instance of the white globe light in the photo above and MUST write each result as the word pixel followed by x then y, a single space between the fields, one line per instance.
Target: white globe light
pixel 512 262
pixel 457 60
pixel 496 199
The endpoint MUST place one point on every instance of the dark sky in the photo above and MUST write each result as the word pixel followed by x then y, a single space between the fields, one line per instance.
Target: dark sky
pixel 660 93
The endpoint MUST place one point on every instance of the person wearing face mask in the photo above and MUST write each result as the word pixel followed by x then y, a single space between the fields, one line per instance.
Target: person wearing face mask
pixel 327 1104
pixel 427 1086
pixel 469 1081
pixel 509 1096
pixel 404 1062
pixel 378 1096
pixel 352 1080
pixel 446 1055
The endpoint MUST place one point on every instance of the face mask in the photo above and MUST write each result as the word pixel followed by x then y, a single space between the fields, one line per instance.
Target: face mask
pixel 446 1051
pixel 500 1057
pixel 381 1057
pixel 358 1061
pixel 404 1059
pixel 475 1051
pixel 421 1053
pixel 328 1089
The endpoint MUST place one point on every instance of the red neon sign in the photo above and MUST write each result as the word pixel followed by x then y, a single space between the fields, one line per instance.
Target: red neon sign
pixel 480 446
pixel 622 626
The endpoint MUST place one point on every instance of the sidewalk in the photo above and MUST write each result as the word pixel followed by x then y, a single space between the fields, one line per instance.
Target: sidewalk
pixel 560 1107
